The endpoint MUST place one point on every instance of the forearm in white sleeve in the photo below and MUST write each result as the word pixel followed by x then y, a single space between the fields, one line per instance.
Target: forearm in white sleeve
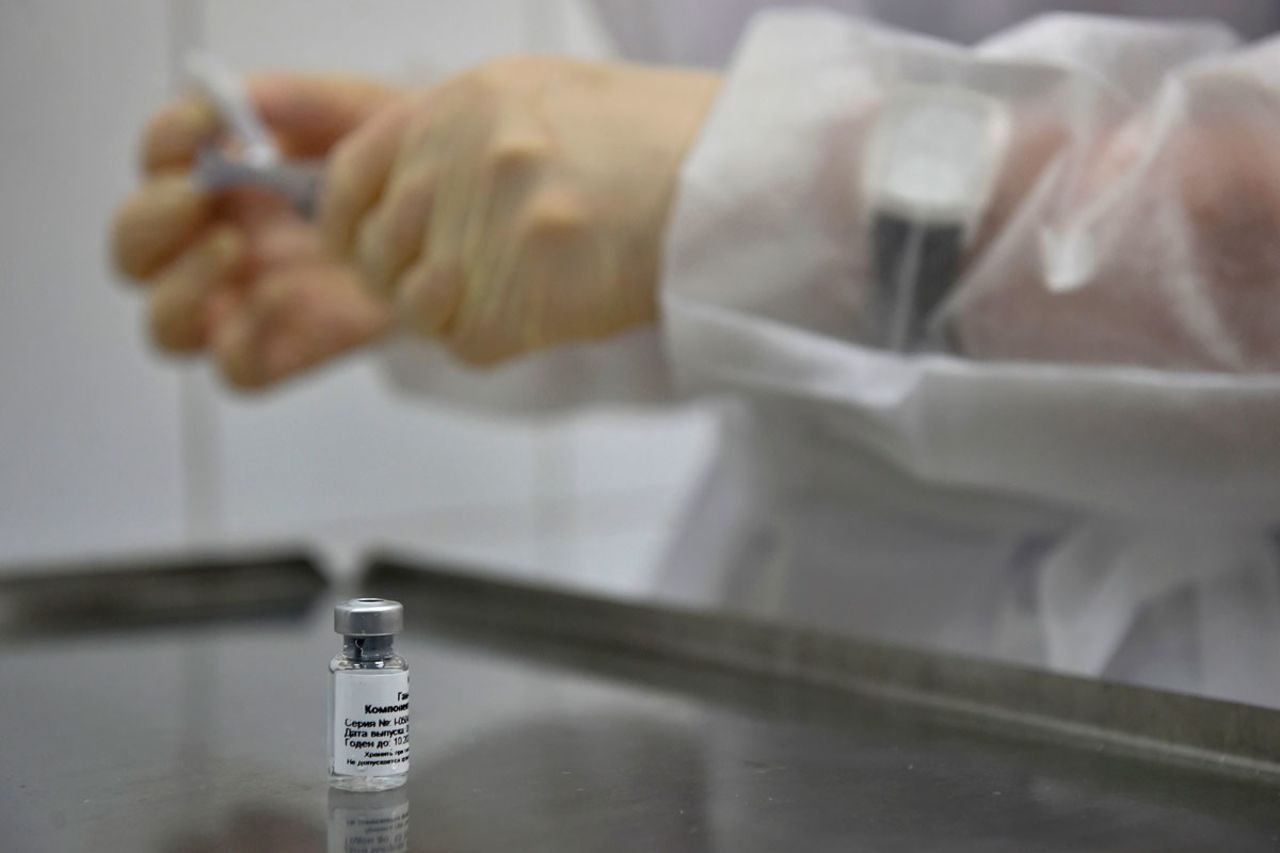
pixel 1132 227
pixel 1131 223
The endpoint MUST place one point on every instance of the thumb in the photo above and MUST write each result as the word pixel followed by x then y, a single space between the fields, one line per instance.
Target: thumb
pixel 309 114
pixel 306 113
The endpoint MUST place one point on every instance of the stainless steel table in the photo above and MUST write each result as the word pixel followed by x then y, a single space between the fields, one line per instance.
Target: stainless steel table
pixel 184 711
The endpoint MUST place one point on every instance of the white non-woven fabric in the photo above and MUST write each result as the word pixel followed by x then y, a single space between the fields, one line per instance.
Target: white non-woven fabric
pixel 1115 397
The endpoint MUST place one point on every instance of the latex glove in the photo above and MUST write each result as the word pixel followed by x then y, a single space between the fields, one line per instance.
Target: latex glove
pixel 520 205
pixel 240 274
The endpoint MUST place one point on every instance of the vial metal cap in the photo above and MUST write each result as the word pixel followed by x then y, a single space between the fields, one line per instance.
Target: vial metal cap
pixel 368 617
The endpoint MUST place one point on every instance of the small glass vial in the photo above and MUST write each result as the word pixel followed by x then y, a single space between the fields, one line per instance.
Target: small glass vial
pixel 368 698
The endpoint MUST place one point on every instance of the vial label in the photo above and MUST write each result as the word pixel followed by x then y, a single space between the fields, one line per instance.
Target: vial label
pixel 371 724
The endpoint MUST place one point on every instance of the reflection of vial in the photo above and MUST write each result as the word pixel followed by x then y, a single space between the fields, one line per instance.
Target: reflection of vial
pixel 368 698
pixel 369 823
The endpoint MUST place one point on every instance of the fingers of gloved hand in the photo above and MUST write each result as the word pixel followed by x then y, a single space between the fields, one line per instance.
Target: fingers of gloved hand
pixel 429 296
pixel 392 237
pixel 487 337
pixel 178 302
pixel 280 238
pixel 175 132
pixel 357 173
pixel 293 321
pixel 155 223
pixel 310 114
pixel 501 304
pixel 307 114
pixel 385 190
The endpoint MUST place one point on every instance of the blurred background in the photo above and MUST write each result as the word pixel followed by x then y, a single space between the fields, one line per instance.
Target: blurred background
pixel 109 448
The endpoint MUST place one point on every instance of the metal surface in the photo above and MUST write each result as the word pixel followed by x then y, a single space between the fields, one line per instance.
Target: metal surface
pixel 1170 725
pixel 68 599
pixel 154 737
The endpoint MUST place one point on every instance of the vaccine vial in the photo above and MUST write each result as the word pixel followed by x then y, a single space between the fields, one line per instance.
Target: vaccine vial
pixel 368 698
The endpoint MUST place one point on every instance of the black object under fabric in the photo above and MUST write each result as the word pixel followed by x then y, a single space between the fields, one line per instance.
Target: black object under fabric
pixel 915 266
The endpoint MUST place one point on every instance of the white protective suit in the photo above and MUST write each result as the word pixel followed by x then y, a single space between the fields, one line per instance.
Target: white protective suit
pixel 1116 518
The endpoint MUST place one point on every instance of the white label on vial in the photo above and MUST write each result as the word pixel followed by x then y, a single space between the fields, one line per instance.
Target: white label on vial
pixel 371 723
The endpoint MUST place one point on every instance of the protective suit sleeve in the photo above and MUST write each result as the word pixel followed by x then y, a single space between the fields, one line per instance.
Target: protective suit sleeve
pixel 628 371
pixel 1132 213
pixel 1114 312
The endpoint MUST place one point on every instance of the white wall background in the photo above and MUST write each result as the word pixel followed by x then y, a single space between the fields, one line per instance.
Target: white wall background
pixel 89 430
pixel 106 448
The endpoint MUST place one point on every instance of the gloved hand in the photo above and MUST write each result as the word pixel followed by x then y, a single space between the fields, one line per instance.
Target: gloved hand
pixel 241 274
pixel 517 206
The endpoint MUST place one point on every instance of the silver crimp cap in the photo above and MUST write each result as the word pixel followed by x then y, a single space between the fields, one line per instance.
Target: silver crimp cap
pixel 368 617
